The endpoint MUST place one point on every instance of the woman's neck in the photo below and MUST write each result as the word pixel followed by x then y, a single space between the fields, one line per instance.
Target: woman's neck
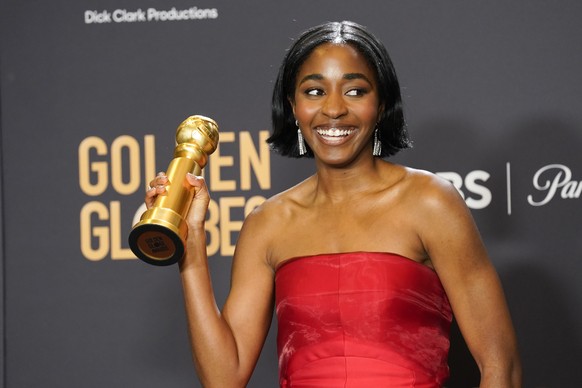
pixel 337 184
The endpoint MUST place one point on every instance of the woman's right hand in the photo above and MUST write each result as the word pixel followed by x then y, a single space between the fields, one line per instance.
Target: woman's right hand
pixel 197 213
pixel 199 206
pixel 156 187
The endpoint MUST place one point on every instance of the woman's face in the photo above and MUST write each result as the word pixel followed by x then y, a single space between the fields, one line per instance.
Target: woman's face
pixel 336 103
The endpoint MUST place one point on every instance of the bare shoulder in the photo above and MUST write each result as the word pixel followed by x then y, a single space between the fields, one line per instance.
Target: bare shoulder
pixel 271 219
pixel 436 208
pixel 429 192
pixel 280 206
pixel 443 221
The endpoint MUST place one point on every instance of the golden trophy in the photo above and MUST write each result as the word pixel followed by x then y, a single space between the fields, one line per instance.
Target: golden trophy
pixel 159 238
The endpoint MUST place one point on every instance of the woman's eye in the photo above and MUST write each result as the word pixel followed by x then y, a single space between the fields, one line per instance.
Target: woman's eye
pixel 314 92
pixel 356 92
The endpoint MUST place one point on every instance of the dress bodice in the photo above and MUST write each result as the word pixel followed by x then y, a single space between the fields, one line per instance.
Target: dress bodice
pixel 361 319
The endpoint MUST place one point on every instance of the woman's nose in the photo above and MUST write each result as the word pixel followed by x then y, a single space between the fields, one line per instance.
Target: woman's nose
pixel 334 105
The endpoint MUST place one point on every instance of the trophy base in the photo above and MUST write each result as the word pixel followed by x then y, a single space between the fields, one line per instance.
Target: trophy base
pixel 156 244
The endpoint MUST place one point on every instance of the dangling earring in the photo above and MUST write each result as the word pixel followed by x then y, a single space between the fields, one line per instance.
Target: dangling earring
pixel 377 151
pixel 300 141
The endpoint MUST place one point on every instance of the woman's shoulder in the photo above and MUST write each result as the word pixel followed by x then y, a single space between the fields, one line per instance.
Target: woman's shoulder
pixel 426 188
pixel 271 221
pixel 283 204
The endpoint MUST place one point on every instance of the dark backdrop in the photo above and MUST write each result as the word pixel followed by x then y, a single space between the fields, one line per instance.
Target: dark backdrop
pixel 492 94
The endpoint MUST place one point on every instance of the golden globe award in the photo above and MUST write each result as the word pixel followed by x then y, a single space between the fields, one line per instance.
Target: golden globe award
pixel 159 238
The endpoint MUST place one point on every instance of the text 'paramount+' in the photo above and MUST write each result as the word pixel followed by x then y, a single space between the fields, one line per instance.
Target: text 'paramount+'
pixel 149 15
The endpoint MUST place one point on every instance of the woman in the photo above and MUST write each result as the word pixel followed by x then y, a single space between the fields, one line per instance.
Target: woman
pixel 365 261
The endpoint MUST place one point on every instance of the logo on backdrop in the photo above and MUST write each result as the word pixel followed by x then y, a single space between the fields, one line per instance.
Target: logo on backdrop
pixel 122 15
pixel 471 187
pixel 128 164
pixel 551 181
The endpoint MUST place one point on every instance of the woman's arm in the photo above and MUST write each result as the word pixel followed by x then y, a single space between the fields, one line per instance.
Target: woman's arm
pixel 225 345
pixel 453 243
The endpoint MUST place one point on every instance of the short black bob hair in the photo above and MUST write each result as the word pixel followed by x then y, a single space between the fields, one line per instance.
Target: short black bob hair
pixel 392 131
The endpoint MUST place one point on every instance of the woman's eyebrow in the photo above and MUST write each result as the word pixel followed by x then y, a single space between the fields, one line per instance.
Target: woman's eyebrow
pixel 316 77
pixel 350 76
pixel 347 76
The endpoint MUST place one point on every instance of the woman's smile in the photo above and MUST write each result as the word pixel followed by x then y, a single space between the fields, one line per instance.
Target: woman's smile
pixel 334 135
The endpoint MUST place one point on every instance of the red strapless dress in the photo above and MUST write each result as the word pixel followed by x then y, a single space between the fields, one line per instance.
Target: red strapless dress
pixel 361 320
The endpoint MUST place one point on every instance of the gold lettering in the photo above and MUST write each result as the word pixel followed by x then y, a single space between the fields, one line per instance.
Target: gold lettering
pixel 227 226
pixel 250 158
pixel 211 227
pixel 88 231
pixel 217 161
pixel 86 166
pixel 252 203
pixel 117 165
pixel 117 252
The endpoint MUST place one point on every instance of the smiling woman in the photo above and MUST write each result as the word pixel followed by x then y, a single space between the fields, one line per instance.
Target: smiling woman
pixel 392 134
pixel 336 102
pixel 366 262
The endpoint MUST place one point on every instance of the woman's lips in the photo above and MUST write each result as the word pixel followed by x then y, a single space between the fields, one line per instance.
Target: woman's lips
pixel 334 136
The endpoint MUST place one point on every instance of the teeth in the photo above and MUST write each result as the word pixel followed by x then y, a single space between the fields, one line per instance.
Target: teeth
pixel 334 132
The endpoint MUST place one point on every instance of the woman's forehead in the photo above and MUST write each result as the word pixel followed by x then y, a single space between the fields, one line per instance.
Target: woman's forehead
pixel 328 55
pixel 331 60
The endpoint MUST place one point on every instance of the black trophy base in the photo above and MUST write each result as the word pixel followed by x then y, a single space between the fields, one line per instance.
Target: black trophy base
pixel 156 244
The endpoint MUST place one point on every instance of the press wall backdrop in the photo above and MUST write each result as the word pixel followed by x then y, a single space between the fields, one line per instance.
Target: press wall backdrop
pixel 91 94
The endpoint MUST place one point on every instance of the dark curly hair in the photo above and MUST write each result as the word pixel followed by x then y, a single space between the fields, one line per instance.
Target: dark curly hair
pixel 392 131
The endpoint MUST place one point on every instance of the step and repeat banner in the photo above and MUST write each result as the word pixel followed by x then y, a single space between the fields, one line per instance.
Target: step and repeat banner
pixel 92 93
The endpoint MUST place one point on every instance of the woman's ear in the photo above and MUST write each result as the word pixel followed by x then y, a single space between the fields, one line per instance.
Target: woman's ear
pixel 292 103
pixel 380 113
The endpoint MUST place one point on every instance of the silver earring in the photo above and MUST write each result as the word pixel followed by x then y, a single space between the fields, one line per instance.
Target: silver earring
pixel 377 151
pixel 300 141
